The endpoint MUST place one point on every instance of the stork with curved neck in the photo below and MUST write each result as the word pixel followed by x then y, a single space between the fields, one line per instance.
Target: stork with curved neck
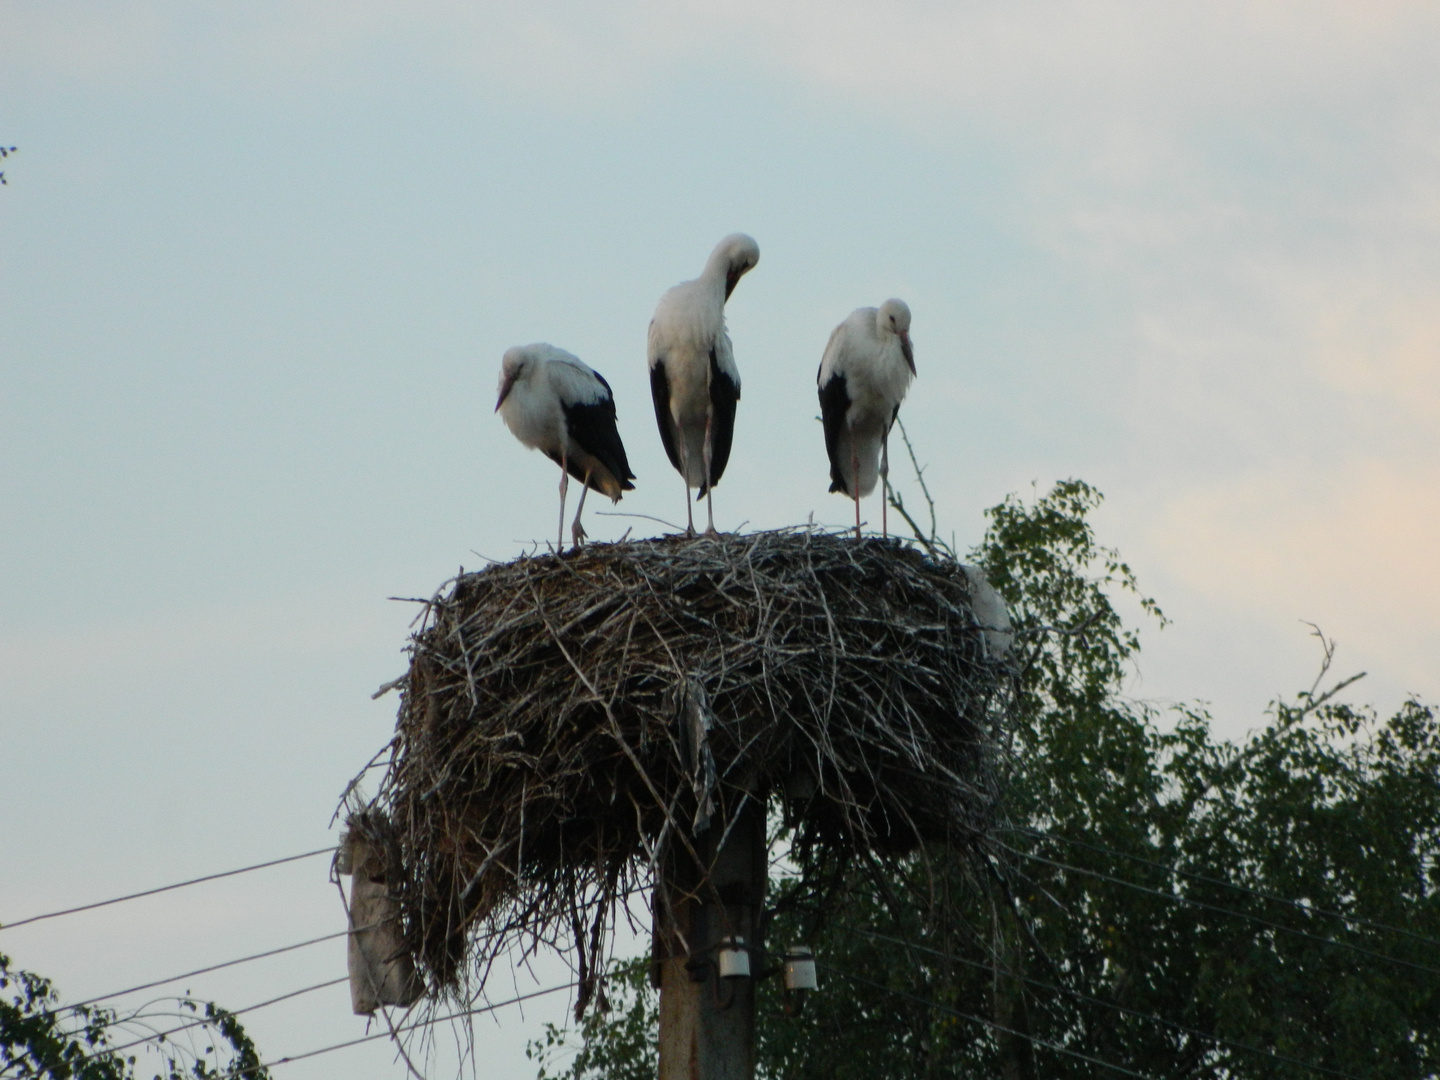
pixel 693 378
pixel 555 403
pixel 863 377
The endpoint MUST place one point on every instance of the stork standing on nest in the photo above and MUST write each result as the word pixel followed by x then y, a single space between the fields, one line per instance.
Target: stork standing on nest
pixel 866 369
pixel 556 404
pixel 693 377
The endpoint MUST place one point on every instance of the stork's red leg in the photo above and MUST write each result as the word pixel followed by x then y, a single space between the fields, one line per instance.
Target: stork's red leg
pixel 564 487
pixel 885 485
pixel 709 487
pixel 685 479
pixel 855 483
pixel 577 532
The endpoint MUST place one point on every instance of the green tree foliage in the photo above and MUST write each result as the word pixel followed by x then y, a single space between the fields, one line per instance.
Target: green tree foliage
pixel 44 1039
pixel 1156 901
pixel 617 1043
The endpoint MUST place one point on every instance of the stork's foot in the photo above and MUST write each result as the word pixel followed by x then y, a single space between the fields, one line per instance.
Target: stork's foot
pixel 711 534
pixel 578 534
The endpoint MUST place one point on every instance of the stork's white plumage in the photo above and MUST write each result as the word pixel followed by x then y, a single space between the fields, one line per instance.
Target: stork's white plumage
pixel 693 377
pixel 556 404
pixel 866 369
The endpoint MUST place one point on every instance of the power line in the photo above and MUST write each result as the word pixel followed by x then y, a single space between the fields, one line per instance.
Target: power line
pixel 165 888
pixel 161 1035
pixel 250 1070
pixel 212 967
pixel 1174 898
pixel 1309 909
pixel 1216 1039
pixel 216 967
pixel 234 963
pixel 1055 1047
pixel 226 964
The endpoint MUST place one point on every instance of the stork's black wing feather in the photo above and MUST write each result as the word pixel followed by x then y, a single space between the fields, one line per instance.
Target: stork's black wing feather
pixel 724 393
pixel 834 404
pixel 660 392
pixel 592 428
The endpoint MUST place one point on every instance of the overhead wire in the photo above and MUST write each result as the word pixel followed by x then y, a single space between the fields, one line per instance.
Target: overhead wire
pixel 160 1036
pixel 210 968
pixel 1034 1039
pixel 218 967
pixel 164 888
pixel 72 1006
pixel 1138 1013
pixel 251 1070
pixel 1306 908
pixel 1309 909
pixel 1178 899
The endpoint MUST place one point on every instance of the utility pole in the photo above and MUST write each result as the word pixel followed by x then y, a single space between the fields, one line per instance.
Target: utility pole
pixel 707 1012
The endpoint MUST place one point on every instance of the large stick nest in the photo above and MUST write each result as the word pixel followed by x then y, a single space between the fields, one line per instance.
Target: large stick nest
pixel 567 720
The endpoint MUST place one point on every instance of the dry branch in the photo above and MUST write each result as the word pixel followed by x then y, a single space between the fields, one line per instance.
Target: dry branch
pixel 566 723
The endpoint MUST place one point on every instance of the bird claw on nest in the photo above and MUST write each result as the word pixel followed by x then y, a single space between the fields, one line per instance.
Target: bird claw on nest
pixel 578 534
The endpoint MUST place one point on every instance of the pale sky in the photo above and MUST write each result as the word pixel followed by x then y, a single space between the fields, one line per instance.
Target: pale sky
pixel 258 265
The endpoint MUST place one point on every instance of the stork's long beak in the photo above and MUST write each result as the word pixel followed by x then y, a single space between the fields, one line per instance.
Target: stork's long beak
pixel 508 384
pixel 908 351
pixel 732 275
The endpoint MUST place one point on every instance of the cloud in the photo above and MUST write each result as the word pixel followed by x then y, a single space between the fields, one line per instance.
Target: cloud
pixel 1377 342
pixel 1054 57
pixel 142 651
pixel 1256 186
pixel 1049 57
pixel 1352 550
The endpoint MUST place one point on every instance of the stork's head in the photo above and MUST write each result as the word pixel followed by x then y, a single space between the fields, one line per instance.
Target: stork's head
pixel 894 318
pixel 519 363
pixel 734 256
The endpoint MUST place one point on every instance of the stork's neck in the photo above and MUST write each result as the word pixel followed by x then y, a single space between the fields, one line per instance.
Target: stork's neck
pixel 716 269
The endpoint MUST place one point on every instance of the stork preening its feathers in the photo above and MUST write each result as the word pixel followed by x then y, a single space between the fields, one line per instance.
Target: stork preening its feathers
pixel 556 404
pixel 866 369
pixel 693 377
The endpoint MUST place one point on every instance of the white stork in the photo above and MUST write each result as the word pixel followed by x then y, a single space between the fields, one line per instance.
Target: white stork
pixel 866 369
pixel 693 377
pixel 556 404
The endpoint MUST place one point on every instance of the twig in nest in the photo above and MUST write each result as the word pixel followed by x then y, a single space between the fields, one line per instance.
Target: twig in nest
pixel 539 774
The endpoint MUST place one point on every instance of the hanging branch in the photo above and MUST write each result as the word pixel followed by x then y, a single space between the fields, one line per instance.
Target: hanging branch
pixel 539 770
